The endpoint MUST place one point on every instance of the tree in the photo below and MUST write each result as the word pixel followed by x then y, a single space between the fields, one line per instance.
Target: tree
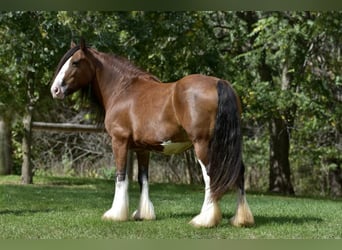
pixel 272 53
pixel 280 43
pixel 7 104
pixel 263 76
pixel 28 55
pixel 319 106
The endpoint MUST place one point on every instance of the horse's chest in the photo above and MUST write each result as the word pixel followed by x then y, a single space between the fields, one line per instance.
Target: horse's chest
pixel 170 147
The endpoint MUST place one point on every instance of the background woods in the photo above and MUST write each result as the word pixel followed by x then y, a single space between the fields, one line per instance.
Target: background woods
pixel 286 67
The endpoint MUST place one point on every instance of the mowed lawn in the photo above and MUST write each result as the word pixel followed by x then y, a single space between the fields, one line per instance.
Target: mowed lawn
pixel 71 208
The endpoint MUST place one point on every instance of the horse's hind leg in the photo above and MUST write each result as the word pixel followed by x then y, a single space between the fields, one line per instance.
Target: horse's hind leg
pixel 210 214
pixel 243 215
pixel 145 210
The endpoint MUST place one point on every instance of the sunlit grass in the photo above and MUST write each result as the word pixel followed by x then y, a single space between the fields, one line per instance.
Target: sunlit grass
pixel 71 208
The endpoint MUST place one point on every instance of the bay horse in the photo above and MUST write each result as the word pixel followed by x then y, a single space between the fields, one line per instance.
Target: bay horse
pixel 144 114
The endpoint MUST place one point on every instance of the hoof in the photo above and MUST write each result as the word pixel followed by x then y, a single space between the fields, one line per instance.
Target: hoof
pixel 145 210
pixel 208 218
pixel 201 221
pixel 241 223
pixel 243 216
pixel 112 215
pixel 137 215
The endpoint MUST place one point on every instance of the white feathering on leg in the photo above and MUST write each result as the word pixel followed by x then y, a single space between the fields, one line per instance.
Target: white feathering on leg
pixel 119 209
pixel 210 215
pixel 146 209
pixel 243 216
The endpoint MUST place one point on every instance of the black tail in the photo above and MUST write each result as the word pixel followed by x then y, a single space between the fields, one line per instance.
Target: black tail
pixel 225 148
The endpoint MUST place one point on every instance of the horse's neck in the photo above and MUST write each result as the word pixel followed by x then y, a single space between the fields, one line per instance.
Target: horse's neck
pixel 109 82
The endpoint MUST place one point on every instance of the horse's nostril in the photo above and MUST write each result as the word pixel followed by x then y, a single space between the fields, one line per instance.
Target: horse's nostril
pixel 55 91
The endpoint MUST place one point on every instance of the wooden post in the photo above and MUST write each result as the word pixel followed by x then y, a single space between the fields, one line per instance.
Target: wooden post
pixel 26 168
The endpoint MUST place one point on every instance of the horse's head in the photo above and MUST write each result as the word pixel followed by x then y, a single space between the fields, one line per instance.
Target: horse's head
pixel 74 71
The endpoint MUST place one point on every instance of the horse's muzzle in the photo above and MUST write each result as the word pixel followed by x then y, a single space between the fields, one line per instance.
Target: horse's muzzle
pixel 57 92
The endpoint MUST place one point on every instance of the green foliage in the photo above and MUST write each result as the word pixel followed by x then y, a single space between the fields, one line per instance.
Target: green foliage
pixel 182 43
pixel 256 162
pixel 299 51
pixel 71 208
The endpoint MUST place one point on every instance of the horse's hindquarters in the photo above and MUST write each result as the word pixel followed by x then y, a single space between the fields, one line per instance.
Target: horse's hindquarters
pixel 195 103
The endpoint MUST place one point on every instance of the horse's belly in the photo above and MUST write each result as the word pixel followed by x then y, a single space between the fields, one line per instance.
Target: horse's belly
pixel 170 147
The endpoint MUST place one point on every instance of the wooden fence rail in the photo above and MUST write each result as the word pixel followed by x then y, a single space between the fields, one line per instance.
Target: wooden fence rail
pixel 67 127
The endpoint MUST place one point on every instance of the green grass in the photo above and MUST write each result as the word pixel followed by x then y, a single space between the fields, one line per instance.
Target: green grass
pixel 71 208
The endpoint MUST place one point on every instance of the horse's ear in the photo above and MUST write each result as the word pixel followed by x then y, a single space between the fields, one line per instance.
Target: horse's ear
pixel 83 44
pixel 72 44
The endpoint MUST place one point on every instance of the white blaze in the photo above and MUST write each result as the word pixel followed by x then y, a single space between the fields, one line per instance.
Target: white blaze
pixel 57 90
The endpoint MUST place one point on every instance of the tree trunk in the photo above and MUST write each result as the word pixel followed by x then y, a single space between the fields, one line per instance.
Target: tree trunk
pixel 280 173
pixel 26 168
pixel 335 182
pixel 5 146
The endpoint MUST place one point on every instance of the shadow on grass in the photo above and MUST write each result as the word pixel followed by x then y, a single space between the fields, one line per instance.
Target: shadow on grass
pixel 280 220
pixel 24 211
pixel 259 220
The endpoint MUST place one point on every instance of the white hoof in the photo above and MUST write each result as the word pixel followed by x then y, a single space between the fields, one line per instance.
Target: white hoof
pixel 209 218
pixel 145 212
pixel 115 215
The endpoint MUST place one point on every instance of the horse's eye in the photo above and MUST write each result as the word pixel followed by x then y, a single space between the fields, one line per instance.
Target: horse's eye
pixel 75 63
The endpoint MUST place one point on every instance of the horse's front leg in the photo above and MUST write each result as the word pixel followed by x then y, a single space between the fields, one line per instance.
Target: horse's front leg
pixel 119 210
pixel 145 210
